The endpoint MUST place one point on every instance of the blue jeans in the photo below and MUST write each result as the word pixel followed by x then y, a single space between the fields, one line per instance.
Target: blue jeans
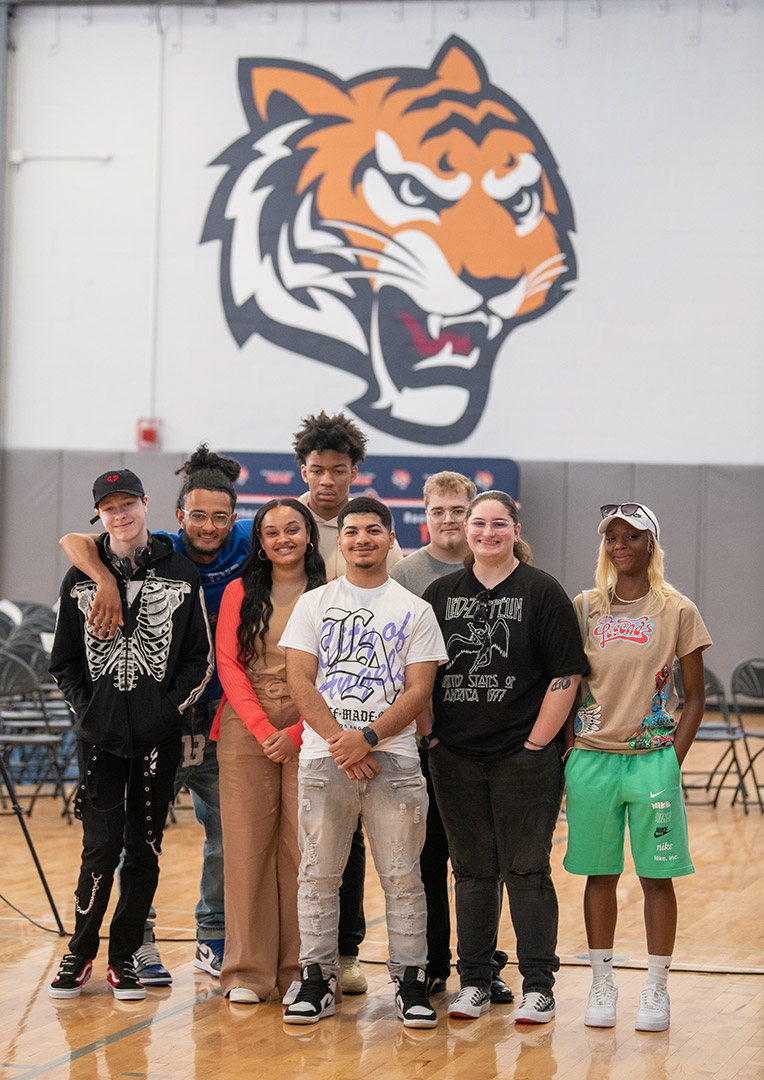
pixel 500 814
pixel 393 808
pixel 203 782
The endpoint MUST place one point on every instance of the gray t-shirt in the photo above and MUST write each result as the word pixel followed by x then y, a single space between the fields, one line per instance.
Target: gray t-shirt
pixel 420 569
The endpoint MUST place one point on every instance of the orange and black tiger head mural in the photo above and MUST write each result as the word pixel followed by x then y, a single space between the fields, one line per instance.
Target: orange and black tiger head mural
pixel 397 226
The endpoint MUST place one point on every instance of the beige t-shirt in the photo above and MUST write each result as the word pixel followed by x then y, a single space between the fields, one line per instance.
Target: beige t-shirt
pixel 629 698
pixel 327 545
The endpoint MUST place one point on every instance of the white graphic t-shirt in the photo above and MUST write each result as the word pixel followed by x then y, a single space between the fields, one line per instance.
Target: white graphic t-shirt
pixel 364 639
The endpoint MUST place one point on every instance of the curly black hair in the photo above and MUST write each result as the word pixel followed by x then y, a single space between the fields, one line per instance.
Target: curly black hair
pixel 208 471
pixel 324 432
pixel 257 578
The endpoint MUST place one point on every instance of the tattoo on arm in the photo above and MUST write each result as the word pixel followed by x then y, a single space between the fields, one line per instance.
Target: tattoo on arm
pixel 561 684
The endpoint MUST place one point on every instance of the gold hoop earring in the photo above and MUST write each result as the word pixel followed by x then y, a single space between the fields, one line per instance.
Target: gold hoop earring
pixel 261 555
pixel 309 548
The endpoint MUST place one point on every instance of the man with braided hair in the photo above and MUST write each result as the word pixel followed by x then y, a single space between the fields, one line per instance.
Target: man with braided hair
pixel 212 538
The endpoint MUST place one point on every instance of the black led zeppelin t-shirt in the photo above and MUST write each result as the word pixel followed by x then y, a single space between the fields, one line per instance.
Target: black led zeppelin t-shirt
pixel 505 645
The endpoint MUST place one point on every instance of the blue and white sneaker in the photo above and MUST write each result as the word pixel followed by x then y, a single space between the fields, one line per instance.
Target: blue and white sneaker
pixel 149 967
pixel 209 956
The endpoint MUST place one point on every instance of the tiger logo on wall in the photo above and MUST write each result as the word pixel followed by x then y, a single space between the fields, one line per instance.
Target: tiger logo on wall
pixel 396 225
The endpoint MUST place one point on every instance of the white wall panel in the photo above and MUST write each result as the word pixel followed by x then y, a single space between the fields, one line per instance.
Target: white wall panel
pixel 113 306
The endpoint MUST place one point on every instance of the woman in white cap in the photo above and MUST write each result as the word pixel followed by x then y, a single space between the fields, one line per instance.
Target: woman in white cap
pixel 628 748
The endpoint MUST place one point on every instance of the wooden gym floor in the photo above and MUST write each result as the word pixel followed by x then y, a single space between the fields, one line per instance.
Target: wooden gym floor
pixel 188 1031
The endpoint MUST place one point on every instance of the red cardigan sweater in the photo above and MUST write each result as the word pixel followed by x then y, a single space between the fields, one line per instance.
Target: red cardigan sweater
pixel 236 686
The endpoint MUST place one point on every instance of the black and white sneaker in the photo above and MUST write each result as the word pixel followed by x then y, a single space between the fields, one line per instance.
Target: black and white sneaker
pixel 74 971
pixel 315 998
pixel 124 983
pixel 411 1000
pixel 470 1002
pixel 535 1008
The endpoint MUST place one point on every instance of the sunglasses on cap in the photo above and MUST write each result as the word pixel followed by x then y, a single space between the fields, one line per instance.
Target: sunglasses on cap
pixel 632 510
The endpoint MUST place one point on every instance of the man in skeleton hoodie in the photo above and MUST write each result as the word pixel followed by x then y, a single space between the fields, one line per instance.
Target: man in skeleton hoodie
pixel 127 694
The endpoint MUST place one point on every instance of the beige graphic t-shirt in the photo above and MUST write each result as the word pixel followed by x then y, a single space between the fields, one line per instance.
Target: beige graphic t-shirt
pixel 630 699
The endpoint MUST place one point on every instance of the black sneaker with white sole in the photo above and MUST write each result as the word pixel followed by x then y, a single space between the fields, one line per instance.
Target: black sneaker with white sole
pixel 411 1000
pixel 124 983
pixel 315 998
pixel 74 971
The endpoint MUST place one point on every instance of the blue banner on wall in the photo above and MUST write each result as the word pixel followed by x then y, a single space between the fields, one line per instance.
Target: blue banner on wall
pixel 396 481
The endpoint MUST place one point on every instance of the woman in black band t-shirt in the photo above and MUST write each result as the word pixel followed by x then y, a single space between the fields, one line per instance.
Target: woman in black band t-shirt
pixel 515 661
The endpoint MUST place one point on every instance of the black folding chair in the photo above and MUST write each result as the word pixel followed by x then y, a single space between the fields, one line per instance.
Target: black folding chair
pixel 747 686
pixel 726 733
pixel 30 742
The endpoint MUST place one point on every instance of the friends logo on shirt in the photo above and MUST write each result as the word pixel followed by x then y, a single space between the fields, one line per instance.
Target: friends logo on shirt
pixel 609 628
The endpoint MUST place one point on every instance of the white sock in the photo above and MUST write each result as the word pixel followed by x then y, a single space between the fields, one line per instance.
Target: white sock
pixel 657 970
pixel 602 963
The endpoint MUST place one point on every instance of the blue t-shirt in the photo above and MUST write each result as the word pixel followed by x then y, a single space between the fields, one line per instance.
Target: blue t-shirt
pixel 215 576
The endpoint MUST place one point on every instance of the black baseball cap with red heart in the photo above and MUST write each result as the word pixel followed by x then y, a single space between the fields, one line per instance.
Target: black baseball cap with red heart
pixel 115 480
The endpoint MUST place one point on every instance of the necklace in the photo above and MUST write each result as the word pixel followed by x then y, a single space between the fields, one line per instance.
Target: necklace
pixel 621 601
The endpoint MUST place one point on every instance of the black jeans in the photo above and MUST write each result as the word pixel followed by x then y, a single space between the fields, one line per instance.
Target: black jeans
pixel 500 814
pixel 352 928
pixel 115 797
pixel 433 864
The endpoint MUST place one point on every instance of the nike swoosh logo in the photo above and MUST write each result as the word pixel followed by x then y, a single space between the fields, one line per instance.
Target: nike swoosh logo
pixel 654 794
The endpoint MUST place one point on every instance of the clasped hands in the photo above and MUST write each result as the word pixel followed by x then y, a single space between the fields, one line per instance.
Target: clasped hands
pixel 351 753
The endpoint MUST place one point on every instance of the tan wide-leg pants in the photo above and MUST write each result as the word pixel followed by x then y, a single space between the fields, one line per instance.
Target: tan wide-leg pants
pixel 258 803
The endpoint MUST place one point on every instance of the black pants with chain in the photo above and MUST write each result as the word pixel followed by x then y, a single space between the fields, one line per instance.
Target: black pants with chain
pixel 122 803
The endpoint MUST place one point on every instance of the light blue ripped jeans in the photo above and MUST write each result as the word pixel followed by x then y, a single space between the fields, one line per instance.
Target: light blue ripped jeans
pixel 393 807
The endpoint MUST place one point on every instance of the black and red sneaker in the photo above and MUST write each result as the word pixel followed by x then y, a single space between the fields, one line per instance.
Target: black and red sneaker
pixel 73 973
pixel 124 983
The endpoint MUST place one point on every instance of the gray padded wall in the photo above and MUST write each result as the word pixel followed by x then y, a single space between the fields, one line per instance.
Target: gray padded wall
pixel 711 520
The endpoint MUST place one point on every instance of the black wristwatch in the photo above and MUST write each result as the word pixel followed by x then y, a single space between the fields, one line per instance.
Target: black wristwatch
pixel 370 735
pixel 425 741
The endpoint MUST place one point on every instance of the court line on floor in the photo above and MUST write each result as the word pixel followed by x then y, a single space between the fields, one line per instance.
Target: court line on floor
pixel 90 1048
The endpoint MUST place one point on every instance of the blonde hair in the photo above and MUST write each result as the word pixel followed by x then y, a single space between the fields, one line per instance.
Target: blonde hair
pixel 448 483
pixel 606 575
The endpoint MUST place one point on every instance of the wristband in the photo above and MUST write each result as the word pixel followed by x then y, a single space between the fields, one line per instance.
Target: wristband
pixel 539 746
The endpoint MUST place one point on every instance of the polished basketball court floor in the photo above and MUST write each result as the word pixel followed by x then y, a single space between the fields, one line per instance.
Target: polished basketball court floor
pixel 188 1031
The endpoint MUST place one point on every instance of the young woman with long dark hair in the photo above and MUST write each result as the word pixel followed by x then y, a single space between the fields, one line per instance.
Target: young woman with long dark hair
pixel 259 735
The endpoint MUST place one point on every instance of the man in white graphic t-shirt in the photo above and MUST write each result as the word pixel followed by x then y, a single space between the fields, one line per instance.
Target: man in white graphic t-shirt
pixel 362 653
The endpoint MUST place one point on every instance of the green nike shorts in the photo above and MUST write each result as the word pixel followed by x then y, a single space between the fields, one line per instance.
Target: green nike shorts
pixel 605 789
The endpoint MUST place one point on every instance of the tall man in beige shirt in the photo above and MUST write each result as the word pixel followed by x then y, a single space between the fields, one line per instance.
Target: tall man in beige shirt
pixel 329 450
